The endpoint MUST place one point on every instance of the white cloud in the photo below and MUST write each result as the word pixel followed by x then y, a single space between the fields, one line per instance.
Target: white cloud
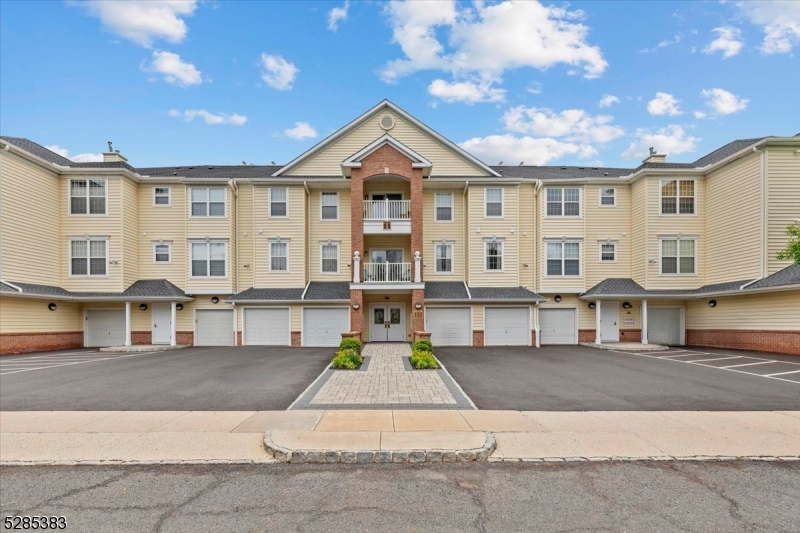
pixel 699 114
pixel 209 118
pixel 780 21
pixel 512 149
pixel 278 73
pixel 723 102
pixel 143 21
pixel 572 124
pixel 670 140
pixel 301 130
pixel 484 40
pixel 535 87
pixel 467 92
pixel 663 104
pixel 608 100
pixel 174 70
pixel 336 15
pixel 728 41
pixel 664 44
pixel 78 158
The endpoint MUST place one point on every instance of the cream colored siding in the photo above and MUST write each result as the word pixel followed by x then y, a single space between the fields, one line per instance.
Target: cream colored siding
pixel 733 221
pixel 607 224
pixel 435 232
pixel 291 229
pixel 527 236
pixel 556 227
pixel 320 231
pixel 166 224
pixel 211 228
pixel 477 317
pixel 777 311
pixel 783 201
pixel 639 219
pixel 130 233
pixel 328 161
pixel 185 317
pixel 30 252
pixel 31 315
pixel 570 301
pixel 245 237
pixel 505 229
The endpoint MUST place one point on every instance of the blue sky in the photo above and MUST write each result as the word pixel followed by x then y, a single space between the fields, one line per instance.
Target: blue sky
pixel 184 82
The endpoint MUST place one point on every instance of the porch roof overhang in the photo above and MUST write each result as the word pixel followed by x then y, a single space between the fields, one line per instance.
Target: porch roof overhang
pixel 140 291
pixel 417 161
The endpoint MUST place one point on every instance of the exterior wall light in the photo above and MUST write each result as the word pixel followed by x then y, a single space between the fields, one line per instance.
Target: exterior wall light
pixel 626 305
pixel 214 300
pixel 356 305
pixel 712 303
pixel 418 305
pixel 592 305
pixel 557 298
pixel 143 307
pixel 52 307
pixel 179 307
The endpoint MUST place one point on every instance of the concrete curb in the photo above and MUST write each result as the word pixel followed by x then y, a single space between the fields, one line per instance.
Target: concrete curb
pixel 142 462
pixel 653 458
pixel 285 455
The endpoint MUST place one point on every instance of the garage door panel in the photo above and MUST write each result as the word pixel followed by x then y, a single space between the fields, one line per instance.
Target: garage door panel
pixel 449 326
pixel 664 325
pixel 213 327
pixel 557 326
pixel 506 326
pixel 267 327
pixel 105 327
pixel 324 327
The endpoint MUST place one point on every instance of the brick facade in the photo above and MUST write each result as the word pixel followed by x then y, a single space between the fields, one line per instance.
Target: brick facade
pixel 11 343
pixel 141 337
pixel 586 335
pixel 533 337
pixel 477 338
pixel 785 342
pixel 185 338
pixel 630 335
pixel 357 315
pixel 297 339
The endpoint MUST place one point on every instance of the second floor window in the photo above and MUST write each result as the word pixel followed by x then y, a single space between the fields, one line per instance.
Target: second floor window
pixel 563 202
pixel 88 257
pixel 330 258
pixel 208 201
pixel 608 197
pixel 444 258
pixel 278 202
pixel 161 196
pixel 87 197
pixel 444 207
pixel 563 259
pixel 494 202
pixel 208 259
pixel 161 252
pixel 330 206
pixel 678 256
pixel 279 256
pixel 608 252
pixel 493 255
pixel 677 197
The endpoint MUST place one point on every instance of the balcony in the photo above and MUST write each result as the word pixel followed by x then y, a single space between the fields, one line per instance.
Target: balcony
pixel 387 272
pixel 387 217
pixel 386 276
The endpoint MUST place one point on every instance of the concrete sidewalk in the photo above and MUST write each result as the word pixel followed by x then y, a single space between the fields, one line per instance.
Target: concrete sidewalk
pixel 141 437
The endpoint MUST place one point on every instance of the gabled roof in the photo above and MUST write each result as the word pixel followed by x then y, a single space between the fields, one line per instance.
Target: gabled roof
pixel 385 104
pixel 788 276
pixel 38 150
pixel 144 289
pixel 505 294
pixel 212 171
pixel 328 290
pixel 728 150
pixel 271 294
pixel 417 161
pixel 445 290
pixel 561 172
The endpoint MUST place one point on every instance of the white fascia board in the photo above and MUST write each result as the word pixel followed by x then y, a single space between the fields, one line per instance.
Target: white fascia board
pixel 354 161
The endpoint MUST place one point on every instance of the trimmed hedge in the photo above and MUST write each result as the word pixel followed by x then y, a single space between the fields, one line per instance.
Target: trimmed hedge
pixel 350 344
pixel 421 359
pixel 347 360
pixel 422 345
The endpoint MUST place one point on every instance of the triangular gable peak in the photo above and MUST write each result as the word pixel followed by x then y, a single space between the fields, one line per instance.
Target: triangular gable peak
pixel 445 157
pixel 417 161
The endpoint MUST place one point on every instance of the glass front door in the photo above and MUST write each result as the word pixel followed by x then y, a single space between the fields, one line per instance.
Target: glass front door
pixel 387 323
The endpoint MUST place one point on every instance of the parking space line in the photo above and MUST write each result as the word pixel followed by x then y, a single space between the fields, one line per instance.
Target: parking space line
pixel 782 373
pixel 749 364
pixel 20 370
pixel 715 359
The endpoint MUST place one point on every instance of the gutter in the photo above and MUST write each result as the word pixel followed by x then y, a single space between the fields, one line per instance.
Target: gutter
pixel 463 232
pixel 248 302
pixel 11 285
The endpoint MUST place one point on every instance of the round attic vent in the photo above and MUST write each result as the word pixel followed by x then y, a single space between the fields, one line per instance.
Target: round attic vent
pixel 387 122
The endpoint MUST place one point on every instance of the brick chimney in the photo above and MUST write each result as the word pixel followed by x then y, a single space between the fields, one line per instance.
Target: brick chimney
pixel 113 155
pixel 655 157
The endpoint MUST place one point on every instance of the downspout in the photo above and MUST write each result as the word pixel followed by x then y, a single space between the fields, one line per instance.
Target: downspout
pixel 536 259
pixel 307 235
pixel 762 239
pixel 235 240
pixel 465 220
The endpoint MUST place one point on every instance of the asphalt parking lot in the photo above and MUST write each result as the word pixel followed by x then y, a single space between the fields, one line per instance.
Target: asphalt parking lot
pixel 578 378
pixel 247 378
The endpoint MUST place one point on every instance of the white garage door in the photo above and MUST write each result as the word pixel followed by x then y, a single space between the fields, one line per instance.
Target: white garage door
pixel 506 326
pixel 324 327
pixel 448 326
pixel 105 327
pixel 266 327
pixel 664 325
pixel 557 326
pixel 213 327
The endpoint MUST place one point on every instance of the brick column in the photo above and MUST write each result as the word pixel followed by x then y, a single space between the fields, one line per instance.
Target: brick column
pixel 416 221
pixel 417 315
pixel 357 217
pixel 357 315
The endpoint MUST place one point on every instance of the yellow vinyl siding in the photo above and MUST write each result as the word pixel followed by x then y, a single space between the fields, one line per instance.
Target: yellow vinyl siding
pixel 527 236
pixel 434 232
pixel 320 231
pixel 291 229
pixel 213 228
pixel 245 237
pixel 639 219
pixel 130 233
pixel 555 228
pixel 30 251
pixel 166 224
pixel 477 317
pixel 607 223
pixel 733 221
pixel 783 201
pixel 328 161
pixel 505 228
pixel 31 315
pixel 777 311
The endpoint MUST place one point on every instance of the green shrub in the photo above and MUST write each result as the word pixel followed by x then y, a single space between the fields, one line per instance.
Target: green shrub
pixel 423 345
pixel 350 344
pixel 347 360
pixel 421 359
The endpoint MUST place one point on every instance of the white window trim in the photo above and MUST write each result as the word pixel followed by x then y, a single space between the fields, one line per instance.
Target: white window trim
pixel 661 255
pixel 286 201
pixel 338 257
pixel 600 197
pixel 88 256
pixel 677 198
pixel 579 242
pixel 502 244
pixel 209 242
pixel 563 201
pixel 169 196
pixel 452 246
pixel 270 242
pixel 452 208
pixel 502 204
pixel 162 243
pixel 321 195
pixel 208 202
pixel 600 250
pixel 87 214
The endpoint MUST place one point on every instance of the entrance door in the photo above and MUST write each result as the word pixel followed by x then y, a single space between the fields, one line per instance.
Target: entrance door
pixel 387 323
pixel 609 322
pixel 162 323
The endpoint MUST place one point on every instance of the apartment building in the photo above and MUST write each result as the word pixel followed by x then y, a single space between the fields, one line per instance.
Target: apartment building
pixel 388 231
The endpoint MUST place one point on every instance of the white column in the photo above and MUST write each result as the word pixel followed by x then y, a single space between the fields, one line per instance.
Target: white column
pixel 174 337
pixel 644 322
pixel 127 323
pixel 597 325
pixel 417 268
pixel 356 268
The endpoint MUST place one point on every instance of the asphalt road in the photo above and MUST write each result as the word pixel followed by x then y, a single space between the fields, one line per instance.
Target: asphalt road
pixel 577 378
pixel 636 496
pixel 193 379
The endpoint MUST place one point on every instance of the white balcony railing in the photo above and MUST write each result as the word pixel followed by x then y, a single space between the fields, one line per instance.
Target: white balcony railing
pixel 387 209
pixel 382 272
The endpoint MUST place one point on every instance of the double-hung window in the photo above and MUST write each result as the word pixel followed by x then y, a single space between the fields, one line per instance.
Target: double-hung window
pixel 563 259
pixel 608 197
pixel 493 256
pixel 278 202
pixel 563 202
pixel 608 252
pixel 278 256
pixel 208 259
pixel 87 197
pixel 208 201
pixel 329 205
pixel 678 256
pixel 444 206
pixel 493 199
pixel 161 196
pixel 88 257
pixel 677 197
pixel 162 252
pixel 444 257
pixel 330 258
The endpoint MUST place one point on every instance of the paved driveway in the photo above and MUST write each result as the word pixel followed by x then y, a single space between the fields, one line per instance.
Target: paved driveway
pixel 577 378
pixel 246 378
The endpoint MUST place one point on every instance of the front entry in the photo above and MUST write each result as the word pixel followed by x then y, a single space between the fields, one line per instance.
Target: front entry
pixel 609 322
pixel 162 323
pixel 387 322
